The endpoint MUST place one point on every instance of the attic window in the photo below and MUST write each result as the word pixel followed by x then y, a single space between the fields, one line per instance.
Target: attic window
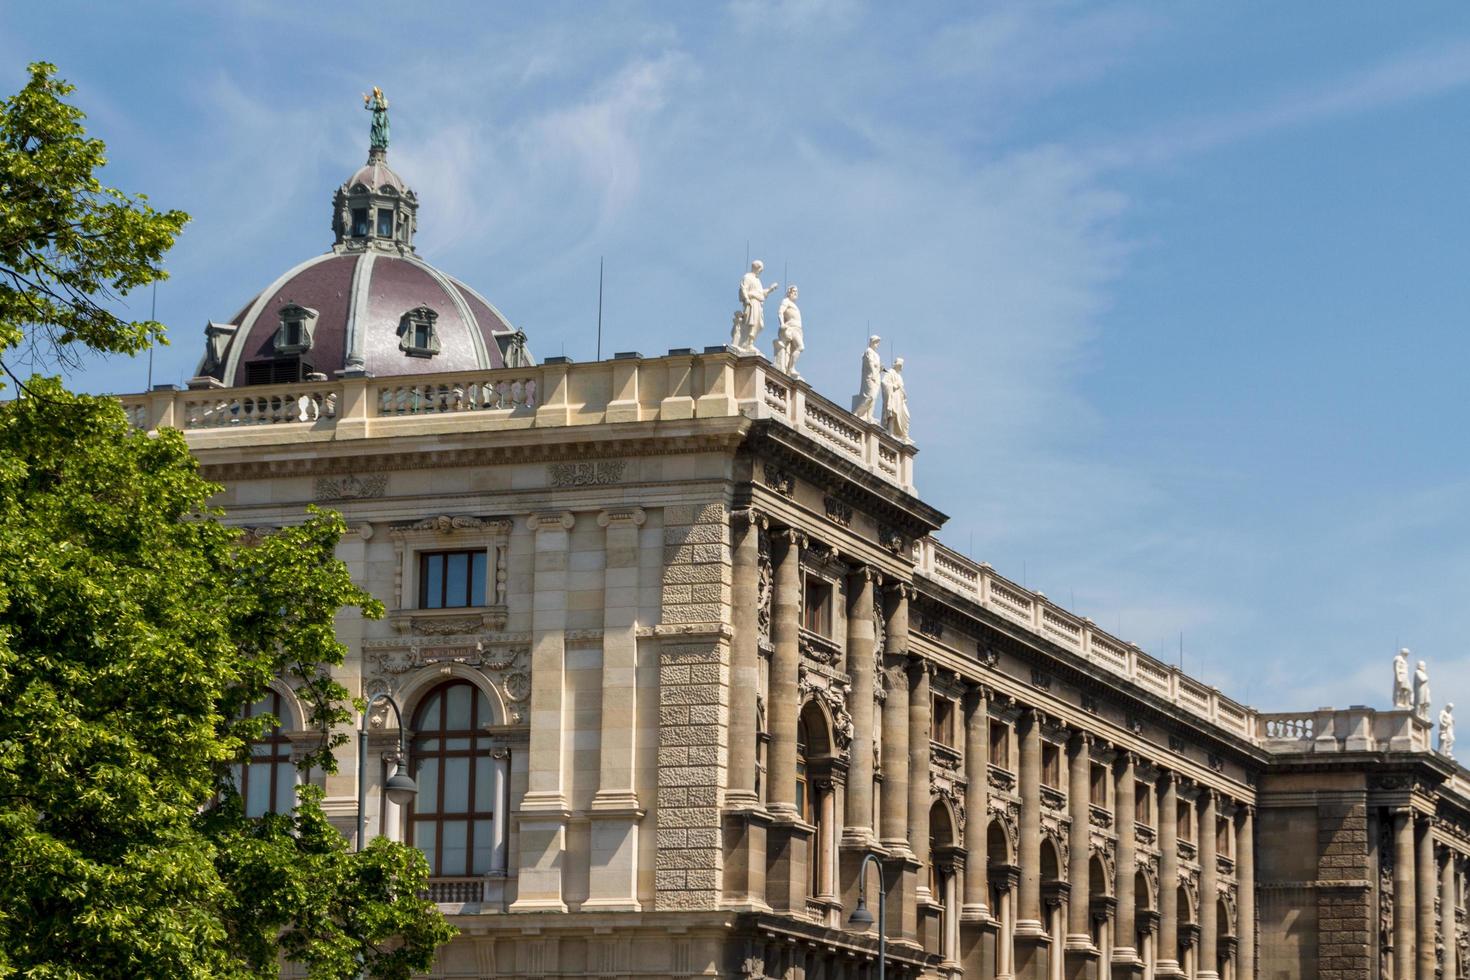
pixel 385 222
pixel 293 336
pixel 416 336
pixel 359 222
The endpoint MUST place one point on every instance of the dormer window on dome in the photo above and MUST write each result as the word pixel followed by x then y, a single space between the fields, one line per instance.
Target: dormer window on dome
pixel 293 336
pixel 416 336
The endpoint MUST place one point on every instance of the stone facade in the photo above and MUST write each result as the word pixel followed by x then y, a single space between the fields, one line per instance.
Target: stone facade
pixel 723 658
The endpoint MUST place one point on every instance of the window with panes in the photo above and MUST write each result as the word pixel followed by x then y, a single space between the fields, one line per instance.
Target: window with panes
pixel 944 720
pixel 817 607
pixel 1143 804
pixel 1099 785
pixel 453 816
pixel 268 783
pixel 1000 744
pixel 452 579
pixel 1051 765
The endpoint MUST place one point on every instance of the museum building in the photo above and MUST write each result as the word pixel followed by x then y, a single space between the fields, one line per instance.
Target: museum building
pixel 688 686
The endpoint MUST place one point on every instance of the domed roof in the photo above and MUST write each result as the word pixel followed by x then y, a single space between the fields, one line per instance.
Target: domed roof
pixel 369 306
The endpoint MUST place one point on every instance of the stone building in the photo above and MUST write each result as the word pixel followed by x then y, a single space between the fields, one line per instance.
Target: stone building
pixel 676 646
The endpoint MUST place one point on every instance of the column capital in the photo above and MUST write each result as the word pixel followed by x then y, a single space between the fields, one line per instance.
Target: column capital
pixel 901 590
pixel 791 535
pixel 622 517
pixel 1082 738
pixel 751 516
pixel 547 520
pixel 866 573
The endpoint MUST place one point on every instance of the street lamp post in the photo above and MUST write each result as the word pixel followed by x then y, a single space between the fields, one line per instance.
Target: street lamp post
pixel 400 786
pixel 861 918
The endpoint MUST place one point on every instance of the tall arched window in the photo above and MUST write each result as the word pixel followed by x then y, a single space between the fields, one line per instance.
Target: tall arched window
pixel 455 818
pixel 268 783
pixel 814 799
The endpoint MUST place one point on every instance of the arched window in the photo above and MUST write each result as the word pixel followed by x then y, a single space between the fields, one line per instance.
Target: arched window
pixel 814 800
pixel 455 818
pixel 268 783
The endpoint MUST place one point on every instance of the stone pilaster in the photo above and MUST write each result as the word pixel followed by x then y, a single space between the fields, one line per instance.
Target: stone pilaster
pixel 1404 918
pixel 544 809
pixel 1447 912
pixel 1031 937
pixel 919 710
pixel 900 867
pixel 744 658
pixel 977 802
pixel 1168 964
pixel 1209 883
pixel 1081 955
pixel 1426 882
pixel 1125 962
pixel 615 811
pixel 861 662
pixel 693 700
pixel 1245 874
pixel 785 671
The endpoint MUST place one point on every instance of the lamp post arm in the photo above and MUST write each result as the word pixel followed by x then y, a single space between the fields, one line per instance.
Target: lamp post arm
pixel 882 906
pixel 362 737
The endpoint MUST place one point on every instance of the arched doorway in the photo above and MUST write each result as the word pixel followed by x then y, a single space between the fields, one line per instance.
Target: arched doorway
pixel 457 818
pixel 817 777
pixel 1004 876
pixel 1053 897
pixel 944 863
pixel 1146 921
pixel 1100 907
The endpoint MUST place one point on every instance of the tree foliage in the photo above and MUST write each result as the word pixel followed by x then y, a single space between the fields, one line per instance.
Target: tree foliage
pixel 68 244
pixel 135 629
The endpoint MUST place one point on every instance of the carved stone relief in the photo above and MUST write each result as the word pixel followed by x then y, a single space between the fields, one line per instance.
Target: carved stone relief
pixel 508 668
pixel 351 487
pixel 589 473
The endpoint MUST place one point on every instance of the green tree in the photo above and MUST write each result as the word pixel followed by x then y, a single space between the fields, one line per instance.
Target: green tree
pixel 135 628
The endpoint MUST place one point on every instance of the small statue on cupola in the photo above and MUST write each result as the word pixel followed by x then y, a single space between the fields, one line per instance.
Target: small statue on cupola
pixel 377 104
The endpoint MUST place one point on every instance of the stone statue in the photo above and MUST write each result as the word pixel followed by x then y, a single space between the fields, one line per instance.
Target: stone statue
pixel 895 402
pixel 751 317
pixel 1403 696
pixel 1447 731
pixel 1421 692
pixel 867 396
pixel 377 104
pixel 788 337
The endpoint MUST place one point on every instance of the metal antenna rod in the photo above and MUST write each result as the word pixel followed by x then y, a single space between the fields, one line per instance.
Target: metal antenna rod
pixel 599 307
pixel 153 315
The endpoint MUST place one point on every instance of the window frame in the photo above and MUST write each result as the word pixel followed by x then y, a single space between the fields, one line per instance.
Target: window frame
pixel 425 556
pixel 942 720
pixel 280 755
pixel 1000 747
pixel 1052 775
pixel 480 745
pixel 819 620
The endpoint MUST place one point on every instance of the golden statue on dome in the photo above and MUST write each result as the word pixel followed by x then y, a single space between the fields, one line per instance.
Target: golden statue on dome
pixel 377 104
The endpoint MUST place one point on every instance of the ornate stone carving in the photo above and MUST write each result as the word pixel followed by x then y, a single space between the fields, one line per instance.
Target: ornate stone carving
pixel 449 523
pixel 1176 744
pixel 1215 762
pixel 351 487
pixel 750 318
pixel 838 513
pixel 1040 679
pixel 588 473
pixel 819 649
pixel 833 693
pixel 764 589
pixel 893 540
pixel 1385 899
pixel 508 668
pixel 1090 703
pixel 930 626
pixel 779 480
pixel 864 402
pixel 989 655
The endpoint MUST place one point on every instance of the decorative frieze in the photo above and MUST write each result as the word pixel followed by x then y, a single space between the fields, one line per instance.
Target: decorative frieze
pixel 779 480
pixel 350 487
pixel 388 664
pixel 587 473
pixel 838 512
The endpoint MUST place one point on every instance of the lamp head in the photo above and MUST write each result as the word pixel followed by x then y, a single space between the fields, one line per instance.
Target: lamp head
pixel 861 918
pixel 400 787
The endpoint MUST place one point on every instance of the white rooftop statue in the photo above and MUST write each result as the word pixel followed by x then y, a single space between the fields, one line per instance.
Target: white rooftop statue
pixel 751 317
pixel 895 402
pixel 1447 731
pixel 1421 692
pixel 867 397
pixel 1403 695
pixel 789 341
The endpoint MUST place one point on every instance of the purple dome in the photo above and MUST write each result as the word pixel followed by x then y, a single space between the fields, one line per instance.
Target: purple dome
pixel 369 306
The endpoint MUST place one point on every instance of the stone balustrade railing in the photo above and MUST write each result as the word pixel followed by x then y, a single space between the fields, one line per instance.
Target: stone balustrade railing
pixel 1354 729
pixel 981 584
pixel 679 386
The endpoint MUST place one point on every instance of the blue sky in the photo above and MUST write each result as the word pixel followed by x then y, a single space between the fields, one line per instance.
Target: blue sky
pixel 1180 288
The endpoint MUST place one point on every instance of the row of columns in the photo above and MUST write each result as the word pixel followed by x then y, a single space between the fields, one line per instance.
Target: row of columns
pixel 903 829
pixel 1419 876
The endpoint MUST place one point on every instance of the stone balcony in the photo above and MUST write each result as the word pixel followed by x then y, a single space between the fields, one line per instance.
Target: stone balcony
pixel 680 386
pixel 1336 730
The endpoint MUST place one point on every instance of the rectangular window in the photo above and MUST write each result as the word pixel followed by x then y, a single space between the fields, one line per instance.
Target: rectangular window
pixel 1143 804
pixel 282 370
pixel 944 721
pixel 1051 765
pixel 1222 837
pixel 1000 744
pixel 451 579
pixel 421 334
pixel 817 609
pixel 359 222
pixel 1099 785
pixel 385 223
pixel 293 333
pixel 1185 831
